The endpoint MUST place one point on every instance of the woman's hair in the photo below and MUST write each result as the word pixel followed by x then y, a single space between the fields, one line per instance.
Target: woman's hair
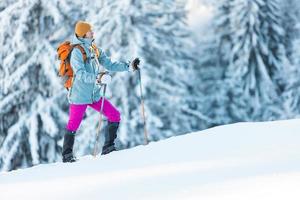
pixel 82 36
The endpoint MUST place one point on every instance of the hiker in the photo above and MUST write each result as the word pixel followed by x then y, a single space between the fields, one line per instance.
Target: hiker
pixel 85 88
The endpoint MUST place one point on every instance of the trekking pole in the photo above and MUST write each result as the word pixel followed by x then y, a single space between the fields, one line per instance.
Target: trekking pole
pixel 100 123
pixel 101 109
pixel 143 109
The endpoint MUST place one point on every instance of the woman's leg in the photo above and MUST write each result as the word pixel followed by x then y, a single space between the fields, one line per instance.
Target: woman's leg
pixel 76 113
pixel 113 117
pixel 109 111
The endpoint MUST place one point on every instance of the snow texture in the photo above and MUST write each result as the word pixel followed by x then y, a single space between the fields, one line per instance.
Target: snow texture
pixel 204 63
pixel 240 161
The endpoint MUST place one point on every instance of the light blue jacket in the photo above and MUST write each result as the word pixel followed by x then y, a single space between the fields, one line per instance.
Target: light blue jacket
pixel 84 89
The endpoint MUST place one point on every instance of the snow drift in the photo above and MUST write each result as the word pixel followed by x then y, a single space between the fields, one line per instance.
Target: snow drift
pixel 239 161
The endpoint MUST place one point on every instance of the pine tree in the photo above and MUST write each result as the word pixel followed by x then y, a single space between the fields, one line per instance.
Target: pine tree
pixel 291 98
pixel 257 57
pixel 223 32
pixel 31 110
pixel 291 15
pixel 211 100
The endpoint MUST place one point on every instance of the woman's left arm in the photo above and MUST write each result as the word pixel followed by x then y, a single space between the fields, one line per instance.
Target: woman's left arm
pixel 112 66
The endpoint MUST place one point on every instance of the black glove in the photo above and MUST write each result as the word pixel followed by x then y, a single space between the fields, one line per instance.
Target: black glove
pixel 135 64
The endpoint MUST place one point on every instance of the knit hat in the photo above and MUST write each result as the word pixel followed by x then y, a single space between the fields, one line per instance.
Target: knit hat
pixel 81 28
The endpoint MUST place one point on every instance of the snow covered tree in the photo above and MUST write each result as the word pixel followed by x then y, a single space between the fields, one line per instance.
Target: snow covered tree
pixel 210 99
pixel 32 110
pixel 257 58
pixel 213 100
pixel 223 32
pixel 214 55
pixel 291 95
pixel 156 32
pixel 290 16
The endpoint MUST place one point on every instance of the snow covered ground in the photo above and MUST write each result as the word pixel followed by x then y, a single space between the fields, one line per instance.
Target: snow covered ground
pixel 234 162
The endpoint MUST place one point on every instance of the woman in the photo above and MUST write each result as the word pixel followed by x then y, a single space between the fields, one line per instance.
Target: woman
pixel 85 89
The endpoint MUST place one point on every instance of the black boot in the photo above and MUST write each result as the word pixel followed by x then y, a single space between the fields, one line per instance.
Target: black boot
pixel 67 152
pixel 110 136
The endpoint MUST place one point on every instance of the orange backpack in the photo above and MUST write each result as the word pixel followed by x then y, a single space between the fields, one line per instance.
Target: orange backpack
pixel 64 53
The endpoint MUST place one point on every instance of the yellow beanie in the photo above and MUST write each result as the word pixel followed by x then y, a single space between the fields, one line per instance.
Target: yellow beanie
pixel 82 28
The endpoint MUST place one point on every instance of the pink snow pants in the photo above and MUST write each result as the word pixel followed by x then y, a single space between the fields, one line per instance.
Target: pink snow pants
pixel 76 113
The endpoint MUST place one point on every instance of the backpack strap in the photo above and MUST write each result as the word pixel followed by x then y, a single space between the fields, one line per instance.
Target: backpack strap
pixel 78 46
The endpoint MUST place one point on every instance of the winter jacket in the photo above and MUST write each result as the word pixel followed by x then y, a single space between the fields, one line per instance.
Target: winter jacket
pixel 84 89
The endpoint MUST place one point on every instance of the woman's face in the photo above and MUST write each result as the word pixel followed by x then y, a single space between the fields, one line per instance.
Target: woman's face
pixel 89 34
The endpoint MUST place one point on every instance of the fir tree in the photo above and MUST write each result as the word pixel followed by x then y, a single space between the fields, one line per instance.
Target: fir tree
pixel 291 16
pixel 31 110
pixel 291 98
pixel 257 58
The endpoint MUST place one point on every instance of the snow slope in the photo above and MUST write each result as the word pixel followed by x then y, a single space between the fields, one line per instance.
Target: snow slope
pixel 239 161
